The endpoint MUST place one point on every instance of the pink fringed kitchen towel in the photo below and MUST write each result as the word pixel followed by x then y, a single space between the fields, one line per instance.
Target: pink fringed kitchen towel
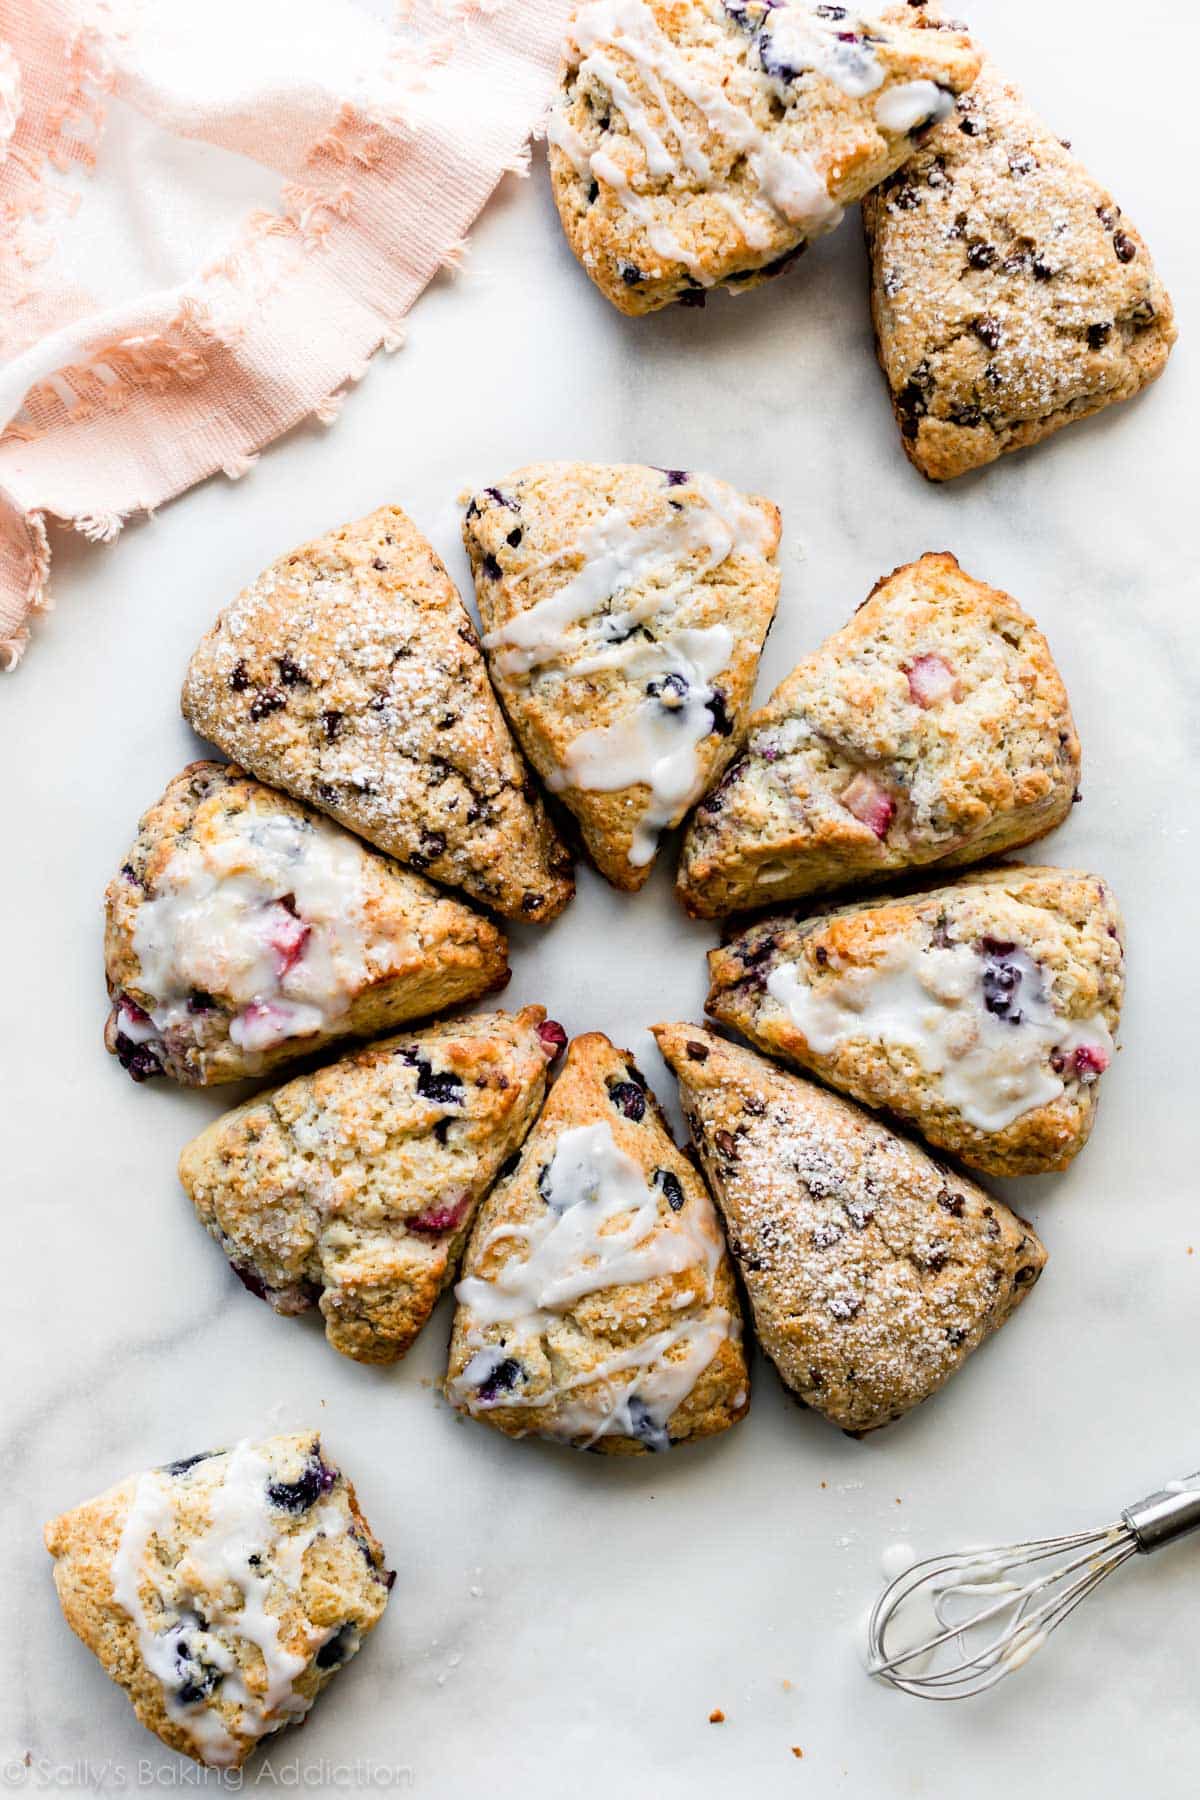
pixel 212 213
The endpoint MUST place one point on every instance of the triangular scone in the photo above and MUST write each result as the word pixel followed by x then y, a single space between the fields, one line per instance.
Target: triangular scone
pixel 624 611
pixel 983 1013
pixel 223 1591
pixel 354 1188
pixel 872 1271
pixel 350 675
pixel 597 1304
pixel 1010 294
pixel 244 931
pixel 704 142
pixel 932 730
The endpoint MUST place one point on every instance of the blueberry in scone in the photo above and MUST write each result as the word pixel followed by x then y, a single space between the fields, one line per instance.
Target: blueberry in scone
pixel 354 1188
pixel 704 142
pixel 624 611
pixel 350 675
pixel 244 930
pixel 872 1271
pixel 597 1305
pixel 1010 294
pixel 933 730
pixel 223 1591
pixel 983 1013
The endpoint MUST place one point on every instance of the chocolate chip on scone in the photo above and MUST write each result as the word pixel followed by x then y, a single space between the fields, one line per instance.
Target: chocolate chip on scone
pixel 244 930
pixel 698 143
pixel 931 731
pixel 350 675
pixel 223 1591
pixel 983 1013
pixel 872 1271
pixel 354 1188
pixel 597 1305
pixel 1010 294
pixel 624 611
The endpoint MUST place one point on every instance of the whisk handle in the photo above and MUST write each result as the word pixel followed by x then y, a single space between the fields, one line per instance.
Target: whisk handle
pixel 1166 1515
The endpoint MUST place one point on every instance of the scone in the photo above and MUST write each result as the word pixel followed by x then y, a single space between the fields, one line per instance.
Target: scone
pixel 932 730
pixel 872 1271
pixel 624 611
pixel 223 1591
pixel 983 1013
pixel 244 930
pixel 350 675
pixel 354 1188
pixel 597 1304
pixel 698 142
pixel 1010 294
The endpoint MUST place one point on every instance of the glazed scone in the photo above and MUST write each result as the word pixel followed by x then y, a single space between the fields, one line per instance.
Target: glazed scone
pixel 624 611
pixel 932 730
pixel 983 1013
pixel 704 142
pixel 223 1591
pixel 350 675
pixel 354 1188
pixel 1010 294
pixel 244 931
pixel 597 1305
pixel 872 1271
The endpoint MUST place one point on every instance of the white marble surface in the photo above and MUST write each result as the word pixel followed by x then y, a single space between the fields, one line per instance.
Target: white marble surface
pixel 565 1624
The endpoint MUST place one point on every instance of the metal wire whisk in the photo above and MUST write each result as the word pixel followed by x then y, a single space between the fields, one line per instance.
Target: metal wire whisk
pixel 979 1614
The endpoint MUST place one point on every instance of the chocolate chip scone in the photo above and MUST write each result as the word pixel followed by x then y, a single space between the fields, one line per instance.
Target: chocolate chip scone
pixel 932 730
pixel 983 1013
pixel 244 930
pixel 350 675
pixel 354 1188
pixel 223 1591
pixel 624 611
pixel 597 1304
pixel 704 142
pixel 1010 294
pixel 872 1271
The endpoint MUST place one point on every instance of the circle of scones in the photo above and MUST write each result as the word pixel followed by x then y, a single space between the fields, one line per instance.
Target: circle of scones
pixel 244 930
pixel 932 730
pixel 704 142
pixel 354 1188
pixel 223 1591
pixel 1010 294
pixel 350 675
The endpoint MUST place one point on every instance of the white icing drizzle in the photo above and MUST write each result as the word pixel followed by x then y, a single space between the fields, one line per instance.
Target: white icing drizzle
pixel 800 39
pixel 931 1001
pixel 912 103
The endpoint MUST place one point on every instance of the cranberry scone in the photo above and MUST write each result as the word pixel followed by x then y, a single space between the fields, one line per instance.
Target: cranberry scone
pixel 983 1013
pixel 597 1304
pixel 704 142
pixel 872 1271
pixel 244 931
pixel 354 1188
pixel 624 612
pixel 223 1592
pixel 1010 294
pixel 350 675
pixel 932 730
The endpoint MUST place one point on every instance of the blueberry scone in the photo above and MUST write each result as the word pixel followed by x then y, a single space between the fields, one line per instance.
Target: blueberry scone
pixel 932 730
pixel 350 675
pixel 624 611
pixel 1010 294
pixel 354 1188
pixel 223 1591
pixel 984 1013
pixel 704 142
pixel 597 1304
pixel 244 930
pixel 872 1271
